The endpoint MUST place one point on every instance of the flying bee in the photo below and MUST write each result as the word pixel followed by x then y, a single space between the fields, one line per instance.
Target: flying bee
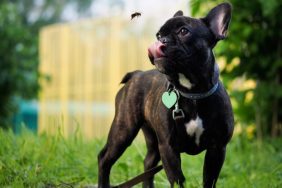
pixel 135 14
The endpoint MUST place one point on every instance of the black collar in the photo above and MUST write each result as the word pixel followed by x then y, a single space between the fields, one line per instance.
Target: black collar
pixel 196 96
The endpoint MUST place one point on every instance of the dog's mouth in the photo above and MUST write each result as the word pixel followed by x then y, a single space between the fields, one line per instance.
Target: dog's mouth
pixel 157 56
pixel 156 52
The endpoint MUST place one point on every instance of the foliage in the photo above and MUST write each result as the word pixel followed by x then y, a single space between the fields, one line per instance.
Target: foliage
pixel 31 160
pixel 18 67
pixel 253 51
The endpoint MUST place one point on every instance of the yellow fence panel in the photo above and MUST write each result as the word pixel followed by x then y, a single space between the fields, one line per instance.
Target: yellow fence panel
pixel 85 62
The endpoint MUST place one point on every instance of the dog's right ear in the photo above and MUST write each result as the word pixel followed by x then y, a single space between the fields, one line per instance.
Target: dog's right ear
pixel 218 20
pixel 178 13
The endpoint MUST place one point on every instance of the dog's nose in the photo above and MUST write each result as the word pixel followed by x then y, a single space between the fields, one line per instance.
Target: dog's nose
pixel 156 50
pixel 164 40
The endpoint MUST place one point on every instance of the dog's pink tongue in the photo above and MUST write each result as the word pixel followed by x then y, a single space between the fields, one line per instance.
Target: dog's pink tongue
pixel 156 50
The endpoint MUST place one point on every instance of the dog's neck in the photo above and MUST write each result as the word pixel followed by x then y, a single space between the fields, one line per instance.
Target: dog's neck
pixel 200 80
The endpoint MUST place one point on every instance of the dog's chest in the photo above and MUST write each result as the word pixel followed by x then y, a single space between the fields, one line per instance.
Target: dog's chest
pixel 194 128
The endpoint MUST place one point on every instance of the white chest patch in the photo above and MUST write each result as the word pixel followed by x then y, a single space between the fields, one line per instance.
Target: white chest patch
pixel 184 81
pixel 195 127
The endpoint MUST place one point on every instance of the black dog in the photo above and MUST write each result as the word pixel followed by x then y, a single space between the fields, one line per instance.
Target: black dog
pixel 181 107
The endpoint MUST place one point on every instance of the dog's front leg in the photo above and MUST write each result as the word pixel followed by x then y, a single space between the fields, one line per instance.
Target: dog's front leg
pixel 172 164
pixel 214 159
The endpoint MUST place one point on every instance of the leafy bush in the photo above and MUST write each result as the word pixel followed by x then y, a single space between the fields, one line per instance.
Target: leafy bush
pixel 18 63
pixel 253 51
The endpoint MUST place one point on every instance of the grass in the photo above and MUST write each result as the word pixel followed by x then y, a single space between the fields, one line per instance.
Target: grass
pixel 29 160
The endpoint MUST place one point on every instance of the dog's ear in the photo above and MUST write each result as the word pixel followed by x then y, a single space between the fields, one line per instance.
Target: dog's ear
pixel 218 20
pixel 178 13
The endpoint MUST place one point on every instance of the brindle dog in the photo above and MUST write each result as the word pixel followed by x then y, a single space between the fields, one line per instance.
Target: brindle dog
pixel 185 65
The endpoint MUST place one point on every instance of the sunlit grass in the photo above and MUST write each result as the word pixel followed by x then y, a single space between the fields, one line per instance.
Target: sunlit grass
pixel 28 160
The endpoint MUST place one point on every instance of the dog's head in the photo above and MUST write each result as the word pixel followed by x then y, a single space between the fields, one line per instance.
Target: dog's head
pixel 185 44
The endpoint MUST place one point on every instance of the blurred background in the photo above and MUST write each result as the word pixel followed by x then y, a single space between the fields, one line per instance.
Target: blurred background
pixel 62 61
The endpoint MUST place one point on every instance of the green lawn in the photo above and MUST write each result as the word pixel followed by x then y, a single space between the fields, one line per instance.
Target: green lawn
pixel 29 160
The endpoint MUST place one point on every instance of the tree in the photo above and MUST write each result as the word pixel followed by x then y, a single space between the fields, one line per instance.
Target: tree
pixel 256 41
pixel 18 71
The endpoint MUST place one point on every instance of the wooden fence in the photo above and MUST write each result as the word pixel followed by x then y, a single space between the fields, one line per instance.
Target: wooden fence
pixel 84 63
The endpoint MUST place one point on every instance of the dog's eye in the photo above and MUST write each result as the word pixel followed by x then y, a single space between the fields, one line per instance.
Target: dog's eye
pixel 183 31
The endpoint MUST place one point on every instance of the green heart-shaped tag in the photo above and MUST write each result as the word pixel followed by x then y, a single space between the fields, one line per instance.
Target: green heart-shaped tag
pixel 169 98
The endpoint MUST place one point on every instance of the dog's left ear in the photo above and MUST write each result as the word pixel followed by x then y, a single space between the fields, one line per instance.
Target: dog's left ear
pixel 178 13
pixel 218 20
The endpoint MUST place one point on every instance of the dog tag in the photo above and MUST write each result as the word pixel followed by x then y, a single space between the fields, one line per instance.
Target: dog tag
pixel 169 99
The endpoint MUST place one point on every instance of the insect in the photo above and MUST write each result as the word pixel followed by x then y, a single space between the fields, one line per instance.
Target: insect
pixel 135 14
